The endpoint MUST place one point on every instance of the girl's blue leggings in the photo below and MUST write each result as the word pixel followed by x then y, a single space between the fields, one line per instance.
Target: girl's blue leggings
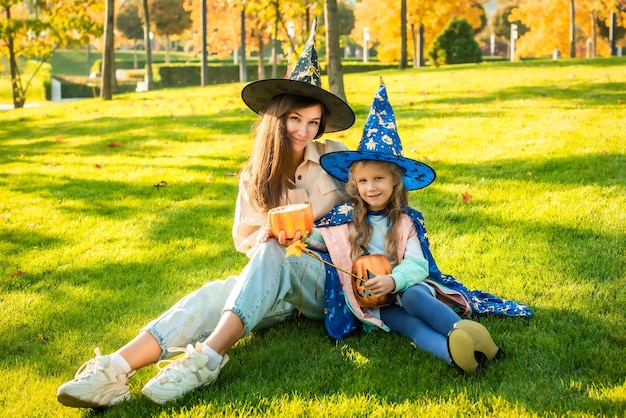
pixel 424 319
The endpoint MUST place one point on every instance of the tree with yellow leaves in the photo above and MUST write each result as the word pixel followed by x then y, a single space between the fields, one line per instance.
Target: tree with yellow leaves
pixel 550 27
pixel 382 18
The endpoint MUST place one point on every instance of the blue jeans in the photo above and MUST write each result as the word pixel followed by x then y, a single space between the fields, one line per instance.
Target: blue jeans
pixel 424 319
pixel 268 291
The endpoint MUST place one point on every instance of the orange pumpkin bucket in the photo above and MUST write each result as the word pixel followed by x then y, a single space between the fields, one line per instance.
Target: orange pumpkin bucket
pixel 367 267
pixel 291 219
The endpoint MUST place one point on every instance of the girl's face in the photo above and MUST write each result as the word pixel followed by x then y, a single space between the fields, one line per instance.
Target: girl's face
pixel 302 126
pixel 374 182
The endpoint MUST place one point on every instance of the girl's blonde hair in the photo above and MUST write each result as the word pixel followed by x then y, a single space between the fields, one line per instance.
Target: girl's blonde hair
pixel 361 230
pixel 272 155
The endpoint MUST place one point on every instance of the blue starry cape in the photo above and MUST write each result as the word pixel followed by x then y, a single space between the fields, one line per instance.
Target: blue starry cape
pixel 340 321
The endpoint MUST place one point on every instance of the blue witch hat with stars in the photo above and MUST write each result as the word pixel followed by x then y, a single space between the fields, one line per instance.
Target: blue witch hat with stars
pixel 304 80
pixel 380 142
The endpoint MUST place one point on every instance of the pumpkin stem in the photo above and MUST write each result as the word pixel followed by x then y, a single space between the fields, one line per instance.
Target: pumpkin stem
pixel 365 252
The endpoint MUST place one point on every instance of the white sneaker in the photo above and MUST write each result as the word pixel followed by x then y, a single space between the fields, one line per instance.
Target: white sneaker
pixel 182 375
pixel 96 385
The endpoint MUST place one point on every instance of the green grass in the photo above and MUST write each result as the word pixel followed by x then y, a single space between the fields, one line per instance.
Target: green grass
pixel 91 250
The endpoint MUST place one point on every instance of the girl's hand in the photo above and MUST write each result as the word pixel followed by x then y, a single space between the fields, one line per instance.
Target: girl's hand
pixel 381 285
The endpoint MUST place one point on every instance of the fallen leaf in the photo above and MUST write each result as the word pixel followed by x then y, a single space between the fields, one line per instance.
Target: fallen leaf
pixel 41 339
pixel 19 273
pixel 467 197
pixel 99 166
pixel 161 184
pixel 114 144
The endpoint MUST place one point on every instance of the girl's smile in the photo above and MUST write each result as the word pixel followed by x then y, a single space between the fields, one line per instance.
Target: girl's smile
pixel 374 182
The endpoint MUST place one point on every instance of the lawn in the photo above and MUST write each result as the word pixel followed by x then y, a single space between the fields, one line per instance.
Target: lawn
pixel 528 205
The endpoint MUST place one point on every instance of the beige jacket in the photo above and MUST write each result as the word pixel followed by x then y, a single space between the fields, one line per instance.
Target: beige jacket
pixel 312 185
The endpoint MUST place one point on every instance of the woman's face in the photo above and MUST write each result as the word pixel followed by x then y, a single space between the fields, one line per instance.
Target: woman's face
pixel 302 126
pixel 374 182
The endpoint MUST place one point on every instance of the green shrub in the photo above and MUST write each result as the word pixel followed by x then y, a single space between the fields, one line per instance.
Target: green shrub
pixel 177 75
pixel 455 44
pixel 84 89
pixel 135 74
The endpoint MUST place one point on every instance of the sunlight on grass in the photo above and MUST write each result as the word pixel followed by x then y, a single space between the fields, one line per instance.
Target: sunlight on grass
pixel 355 357
pixel 110 211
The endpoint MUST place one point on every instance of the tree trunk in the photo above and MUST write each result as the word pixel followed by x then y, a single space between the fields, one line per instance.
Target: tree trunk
pixel 415 46
pixel 167 48
pixel 261 60
pixel 572 30
pixel 16 81
pixel 146 36
pixel 333 52
pixel 403 41
pixel 274 41
pixel 134 54
pixel 594 35
pixel 106 85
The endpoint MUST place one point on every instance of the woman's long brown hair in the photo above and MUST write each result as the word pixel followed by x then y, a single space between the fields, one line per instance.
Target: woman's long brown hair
pixel 272 155
pixel 361 230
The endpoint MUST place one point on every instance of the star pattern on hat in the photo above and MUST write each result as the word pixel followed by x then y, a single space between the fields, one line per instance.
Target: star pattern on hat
pixel 304 79
pixel 380 142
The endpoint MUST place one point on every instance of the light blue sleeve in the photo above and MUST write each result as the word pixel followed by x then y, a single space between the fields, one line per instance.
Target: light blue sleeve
pixel 412 270
pixel 315 241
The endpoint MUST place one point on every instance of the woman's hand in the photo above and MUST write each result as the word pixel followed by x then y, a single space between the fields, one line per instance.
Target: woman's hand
pixel 286 242
pixel 381 285
pixel 263 235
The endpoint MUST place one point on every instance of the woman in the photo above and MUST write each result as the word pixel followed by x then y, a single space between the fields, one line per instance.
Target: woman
pixel 283 168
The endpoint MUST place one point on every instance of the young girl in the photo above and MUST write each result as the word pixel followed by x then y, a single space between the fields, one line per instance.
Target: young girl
pixel 283 168
pixel 378 179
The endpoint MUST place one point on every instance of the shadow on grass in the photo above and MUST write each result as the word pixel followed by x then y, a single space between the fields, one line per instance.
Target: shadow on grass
pixel 600 169
pixel 550 367
pixel 128 130
pixel 108 198
pixel 569 95
pixel 560 354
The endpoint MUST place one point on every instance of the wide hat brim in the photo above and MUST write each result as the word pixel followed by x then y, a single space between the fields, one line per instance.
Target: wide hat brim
pixel 416 176
pixel 258 94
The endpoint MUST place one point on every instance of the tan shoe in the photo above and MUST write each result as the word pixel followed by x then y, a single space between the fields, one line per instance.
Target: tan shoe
pixel 96 385
pixel 483 343
pixel 461 349
pixel 182 375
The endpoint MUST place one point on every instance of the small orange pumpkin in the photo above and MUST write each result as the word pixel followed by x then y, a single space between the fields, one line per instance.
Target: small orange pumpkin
pixel 290 218
pixel 367 267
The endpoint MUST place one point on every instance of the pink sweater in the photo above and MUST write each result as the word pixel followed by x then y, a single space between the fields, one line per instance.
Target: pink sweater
pixel 336 240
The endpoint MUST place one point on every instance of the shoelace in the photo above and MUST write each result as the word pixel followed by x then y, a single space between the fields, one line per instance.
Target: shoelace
pixel 88 367
pixel 181 360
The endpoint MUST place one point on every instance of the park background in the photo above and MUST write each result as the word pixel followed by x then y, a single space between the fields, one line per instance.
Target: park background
pixel 263 38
